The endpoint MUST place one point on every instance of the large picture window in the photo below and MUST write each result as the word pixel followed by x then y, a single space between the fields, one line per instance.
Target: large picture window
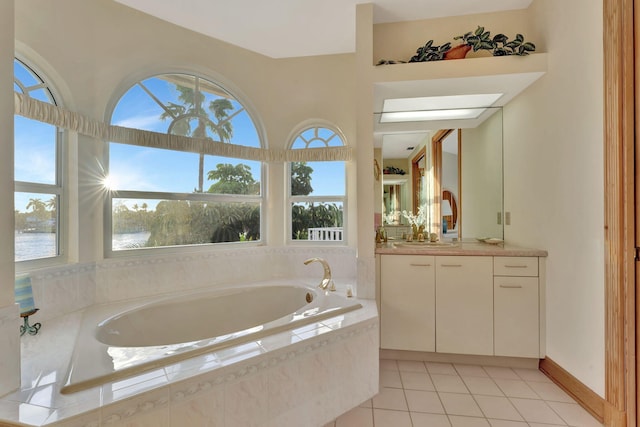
pixel 163 197
pixel 37 172
pixel 317 190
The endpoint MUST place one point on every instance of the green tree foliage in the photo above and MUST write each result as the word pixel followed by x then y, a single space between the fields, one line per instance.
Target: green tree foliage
pixel 233 180
pixel 40 216
pixel 38 209
pixel 314 215
pixel 191 119
pixel 133 220
pixel 301 179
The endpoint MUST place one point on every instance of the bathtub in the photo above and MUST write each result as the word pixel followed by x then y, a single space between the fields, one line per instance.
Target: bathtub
pixel 119 340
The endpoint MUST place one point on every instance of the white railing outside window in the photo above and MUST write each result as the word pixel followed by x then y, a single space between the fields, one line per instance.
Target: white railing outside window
pixel 326 234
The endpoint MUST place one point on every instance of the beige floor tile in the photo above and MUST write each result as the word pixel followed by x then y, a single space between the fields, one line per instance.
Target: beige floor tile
pixel 357 417
pixel 574 415
pixel 532 375
pixel 501 372
pixel 505 423
pixel 366 404
pixel 424 401
pixel 516 388
pixel 390 378
pixel 411 366
pixel 388 364
pixel 386 418
pixel 536 411
pixel 390 398
pixel 483 386
pixel 416 381
pixel 458 421
pixel 429 420
pixel 498 407
pixel 449 383
pixel 460 404
pixel 550 391
pixel 441 368
pixel 470 371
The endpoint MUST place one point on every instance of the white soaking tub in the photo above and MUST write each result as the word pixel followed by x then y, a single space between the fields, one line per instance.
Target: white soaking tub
pixel 122 339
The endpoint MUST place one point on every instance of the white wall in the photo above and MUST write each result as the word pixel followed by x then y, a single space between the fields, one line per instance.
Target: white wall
pixel 9 320
pixel 554 181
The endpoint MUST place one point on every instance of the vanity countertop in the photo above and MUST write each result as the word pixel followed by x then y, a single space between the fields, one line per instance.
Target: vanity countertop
pixel 458 248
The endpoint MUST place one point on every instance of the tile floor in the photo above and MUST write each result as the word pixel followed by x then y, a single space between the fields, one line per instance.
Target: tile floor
pixel 425 394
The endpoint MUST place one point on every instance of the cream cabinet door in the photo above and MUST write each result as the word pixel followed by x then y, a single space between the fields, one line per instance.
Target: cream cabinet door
pixel 516 316
pixel 464 305
pixel 407 302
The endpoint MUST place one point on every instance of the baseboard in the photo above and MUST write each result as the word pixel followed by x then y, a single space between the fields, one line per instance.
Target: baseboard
pixel 587 398
pixel 511 362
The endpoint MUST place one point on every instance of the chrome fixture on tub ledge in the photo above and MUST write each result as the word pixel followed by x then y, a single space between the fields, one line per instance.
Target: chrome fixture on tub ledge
pixel 327 282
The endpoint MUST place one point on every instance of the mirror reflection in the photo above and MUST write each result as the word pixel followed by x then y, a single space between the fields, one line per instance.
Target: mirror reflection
pixel 453 173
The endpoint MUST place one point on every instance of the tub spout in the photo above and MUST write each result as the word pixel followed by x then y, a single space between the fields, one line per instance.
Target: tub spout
pixel 327 282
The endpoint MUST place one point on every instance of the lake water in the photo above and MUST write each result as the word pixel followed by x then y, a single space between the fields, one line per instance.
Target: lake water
pixel 43 245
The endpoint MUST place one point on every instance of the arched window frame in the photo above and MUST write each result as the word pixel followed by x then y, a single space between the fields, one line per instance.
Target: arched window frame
pixel 317 134
pixel 55 189
pixel 196 196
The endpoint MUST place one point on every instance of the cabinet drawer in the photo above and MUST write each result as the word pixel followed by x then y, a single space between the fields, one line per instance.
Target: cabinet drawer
pixel 515 266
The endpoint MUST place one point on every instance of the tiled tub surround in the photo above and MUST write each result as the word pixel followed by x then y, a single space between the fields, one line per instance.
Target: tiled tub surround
pixel 130 337
pixel 10 322
pixel 302 377
pixel 65 289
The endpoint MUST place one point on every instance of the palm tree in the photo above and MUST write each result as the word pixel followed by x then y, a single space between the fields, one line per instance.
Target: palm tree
pixel 38 207
pixel 190 109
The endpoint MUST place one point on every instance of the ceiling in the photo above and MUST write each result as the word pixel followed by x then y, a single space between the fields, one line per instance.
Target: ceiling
pixel 293 28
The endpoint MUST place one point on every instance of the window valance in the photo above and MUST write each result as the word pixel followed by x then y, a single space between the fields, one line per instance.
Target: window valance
pixel 48 113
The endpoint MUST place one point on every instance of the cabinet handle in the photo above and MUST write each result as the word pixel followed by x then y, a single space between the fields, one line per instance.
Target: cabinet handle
pixel 515 266
pixel 451 265
pixel 511 286
pixel 419 265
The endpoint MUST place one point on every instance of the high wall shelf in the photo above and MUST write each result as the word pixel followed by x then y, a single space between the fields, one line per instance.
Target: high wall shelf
pixel 509 75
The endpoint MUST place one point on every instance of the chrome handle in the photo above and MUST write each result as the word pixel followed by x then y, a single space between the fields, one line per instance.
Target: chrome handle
pixel 511 286
pixel 451 265
pixel 515 266
pixel 419 265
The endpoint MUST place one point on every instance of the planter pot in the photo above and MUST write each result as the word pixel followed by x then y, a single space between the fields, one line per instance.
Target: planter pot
pixel 457 52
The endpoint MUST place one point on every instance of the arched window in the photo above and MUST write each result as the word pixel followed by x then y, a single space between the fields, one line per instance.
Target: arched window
pixel 169 196
pixel 317 190
pixel 38 176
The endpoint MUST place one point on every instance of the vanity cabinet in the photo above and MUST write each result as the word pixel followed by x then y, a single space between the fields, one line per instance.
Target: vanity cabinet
pixel 476 305
pixel 464 305
pixel 516 307
pixel 407 303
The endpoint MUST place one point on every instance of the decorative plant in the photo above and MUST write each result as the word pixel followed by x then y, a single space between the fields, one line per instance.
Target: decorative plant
pixel 393 170
pixel 499 45
pixel 417 222
pixel 429 52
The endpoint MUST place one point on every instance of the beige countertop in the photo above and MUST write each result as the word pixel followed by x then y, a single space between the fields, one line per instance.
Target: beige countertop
pixel 458 248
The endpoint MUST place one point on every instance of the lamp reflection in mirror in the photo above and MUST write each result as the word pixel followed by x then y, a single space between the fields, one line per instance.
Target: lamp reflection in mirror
pixel 445 209
pixel 24 297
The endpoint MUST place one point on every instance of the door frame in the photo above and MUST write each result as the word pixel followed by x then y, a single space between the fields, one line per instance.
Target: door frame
pixel 620 28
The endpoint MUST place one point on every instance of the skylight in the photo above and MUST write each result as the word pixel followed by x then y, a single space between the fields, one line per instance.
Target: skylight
pixel 454 107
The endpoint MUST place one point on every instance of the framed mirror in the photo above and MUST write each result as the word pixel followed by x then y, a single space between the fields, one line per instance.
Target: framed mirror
pixel 455 172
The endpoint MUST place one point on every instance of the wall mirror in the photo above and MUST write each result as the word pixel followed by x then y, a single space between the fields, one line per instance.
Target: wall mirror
pixel 454 170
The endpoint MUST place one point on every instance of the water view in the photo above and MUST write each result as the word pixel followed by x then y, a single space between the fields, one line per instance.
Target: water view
pixel 43 245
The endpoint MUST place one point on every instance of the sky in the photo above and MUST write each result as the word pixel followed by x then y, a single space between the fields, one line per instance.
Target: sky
pixel 141 168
